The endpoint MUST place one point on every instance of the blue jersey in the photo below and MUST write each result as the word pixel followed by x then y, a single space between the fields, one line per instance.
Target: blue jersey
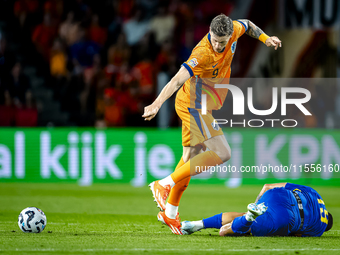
pixel 315 212
pixel 283 216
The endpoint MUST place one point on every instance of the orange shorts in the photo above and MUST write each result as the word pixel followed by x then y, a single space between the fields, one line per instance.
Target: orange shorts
pixel 196 127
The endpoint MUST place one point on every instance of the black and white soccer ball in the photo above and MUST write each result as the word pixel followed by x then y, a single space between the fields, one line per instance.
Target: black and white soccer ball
pixel 32 220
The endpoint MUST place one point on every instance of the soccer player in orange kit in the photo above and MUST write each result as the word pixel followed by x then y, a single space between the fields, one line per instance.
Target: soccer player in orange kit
pixel 209 64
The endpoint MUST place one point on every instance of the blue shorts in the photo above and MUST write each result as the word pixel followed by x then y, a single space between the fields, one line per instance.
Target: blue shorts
pixel 282 216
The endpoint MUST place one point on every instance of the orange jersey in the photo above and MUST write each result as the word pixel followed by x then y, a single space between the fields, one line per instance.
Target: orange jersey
pixel 208 68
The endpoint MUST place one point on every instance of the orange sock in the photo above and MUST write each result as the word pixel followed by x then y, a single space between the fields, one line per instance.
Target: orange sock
pixel 177 191
pixel 206 159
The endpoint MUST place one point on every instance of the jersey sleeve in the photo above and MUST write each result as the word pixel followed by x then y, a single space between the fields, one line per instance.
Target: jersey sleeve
pixel 240 27
pixel 197 61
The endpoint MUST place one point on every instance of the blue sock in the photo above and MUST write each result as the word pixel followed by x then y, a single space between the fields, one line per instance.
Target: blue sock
pixel 240 225
pixel 213 222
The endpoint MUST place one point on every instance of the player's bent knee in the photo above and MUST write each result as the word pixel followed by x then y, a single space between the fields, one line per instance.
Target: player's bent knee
pixel 227 157
pixel 190 152
pixel 186 155
pixel 185 158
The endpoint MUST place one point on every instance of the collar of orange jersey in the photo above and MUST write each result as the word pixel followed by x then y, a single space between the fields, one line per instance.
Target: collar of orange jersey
pixel 209 38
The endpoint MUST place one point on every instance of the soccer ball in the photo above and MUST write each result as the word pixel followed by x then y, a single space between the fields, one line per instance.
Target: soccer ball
pixel 32 220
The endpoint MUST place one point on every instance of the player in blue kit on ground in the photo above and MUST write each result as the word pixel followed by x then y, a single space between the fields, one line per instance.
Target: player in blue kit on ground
pixel 281 209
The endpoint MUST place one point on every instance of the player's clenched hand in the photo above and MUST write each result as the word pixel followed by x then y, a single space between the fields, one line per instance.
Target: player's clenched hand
pixel 273 41
pixel 150 111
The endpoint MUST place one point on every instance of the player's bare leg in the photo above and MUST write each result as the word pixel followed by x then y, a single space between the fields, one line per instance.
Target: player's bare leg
pixel 190 152
pixel 229 223
pixel 220 146
pixel 228 217
pixel 219 152
pixel 177 191
pixel 161 189
pixel 217 221
pixel 226 230
pixel 241 225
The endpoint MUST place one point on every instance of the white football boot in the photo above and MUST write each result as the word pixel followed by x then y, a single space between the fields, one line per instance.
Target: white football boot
pixel 255 210
pixel 189 227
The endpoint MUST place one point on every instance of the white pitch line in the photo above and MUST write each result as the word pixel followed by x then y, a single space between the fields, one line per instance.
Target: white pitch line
pixel 125 231
pixel 64 223
pixel 165 249
pixel 61 223
pixel 88 224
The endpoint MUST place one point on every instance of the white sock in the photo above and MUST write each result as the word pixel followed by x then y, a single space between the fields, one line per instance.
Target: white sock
pixel 198 225
pixel 249 216
pixel 167 181
pixel 171 211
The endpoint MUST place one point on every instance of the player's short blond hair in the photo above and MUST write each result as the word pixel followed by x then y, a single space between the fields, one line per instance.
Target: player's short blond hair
pixel 222 25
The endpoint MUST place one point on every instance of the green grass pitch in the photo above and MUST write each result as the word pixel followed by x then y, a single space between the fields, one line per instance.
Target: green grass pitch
pixel 120 219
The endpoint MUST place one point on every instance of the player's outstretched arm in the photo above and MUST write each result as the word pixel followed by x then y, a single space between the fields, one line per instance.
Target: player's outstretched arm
pixel 268 187
pixel 173 85
pixel 257 33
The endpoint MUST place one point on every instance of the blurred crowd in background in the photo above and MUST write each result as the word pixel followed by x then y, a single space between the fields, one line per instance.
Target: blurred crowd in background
pixel 99 60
